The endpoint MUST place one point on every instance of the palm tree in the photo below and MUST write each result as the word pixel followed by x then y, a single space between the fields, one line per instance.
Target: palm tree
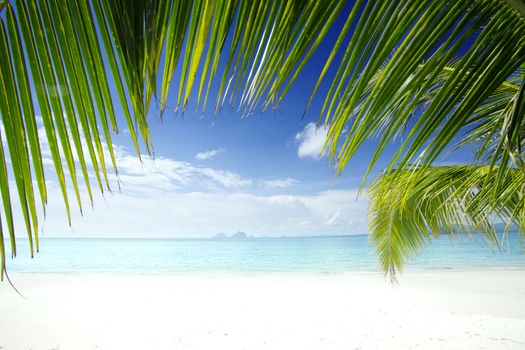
pixel 436 74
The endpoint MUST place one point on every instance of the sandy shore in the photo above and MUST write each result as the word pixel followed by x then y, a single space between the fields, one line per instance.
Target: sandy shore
pixel 428 310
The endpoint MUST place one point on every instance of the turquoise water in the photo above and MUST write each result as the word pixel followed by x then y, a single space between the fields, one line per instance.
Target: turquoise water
pixel 256 255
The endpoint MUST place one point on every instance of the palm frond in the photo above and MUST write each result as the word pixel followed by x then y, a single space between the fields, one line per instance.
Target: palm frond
pixel 486 128
pixel 52 62
pixel 408 207
pixel 396 80
pixel 414 41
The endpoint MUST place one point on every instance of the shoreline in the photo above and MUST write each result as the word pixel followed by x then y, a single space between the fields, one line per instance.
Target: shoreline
pixel 410 270
pixel 427 310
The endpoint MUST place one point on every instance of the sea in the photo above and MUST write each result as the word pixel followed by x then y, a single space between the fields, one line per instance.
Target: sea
pixel 317 255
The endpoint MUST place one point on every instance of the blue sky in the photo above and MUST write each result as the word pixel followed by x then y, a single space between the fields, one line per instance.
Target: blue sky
pixel 263 174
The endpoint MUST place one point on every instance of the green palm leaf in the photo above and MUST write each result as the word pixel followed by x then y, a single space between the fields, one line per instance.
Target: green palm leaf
pixel 415 54
pixel 410 206
pixel 59 41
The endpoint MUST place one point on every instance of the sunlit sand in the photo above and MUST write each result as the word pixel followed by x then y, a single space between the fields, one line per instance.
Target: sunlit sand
pixel 427 310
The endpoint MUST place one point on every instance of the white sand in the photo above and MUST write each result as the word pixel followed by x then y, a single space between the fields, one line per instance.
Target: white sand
pixel 431 310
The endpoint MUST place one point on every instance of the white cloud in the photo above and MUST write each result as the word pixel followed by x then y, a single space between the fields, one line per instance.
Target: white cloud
pixel 280 183
pixel 203 214
pixel 154 174
pixel 165 174
pixel 311 140
pixel 209 154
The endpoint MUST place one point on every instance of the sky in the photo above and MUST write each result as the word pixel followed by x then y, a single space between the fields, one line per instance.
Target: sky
pixel 249 179
pixel 264 174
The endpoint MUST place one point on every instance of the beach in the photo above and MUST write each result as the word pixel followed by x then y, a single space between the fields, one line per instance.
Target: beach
pixel 449 309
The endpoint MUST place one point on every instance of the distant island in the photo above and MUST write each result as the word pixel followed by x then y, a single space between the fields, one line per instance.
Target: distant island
pixel 237 235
